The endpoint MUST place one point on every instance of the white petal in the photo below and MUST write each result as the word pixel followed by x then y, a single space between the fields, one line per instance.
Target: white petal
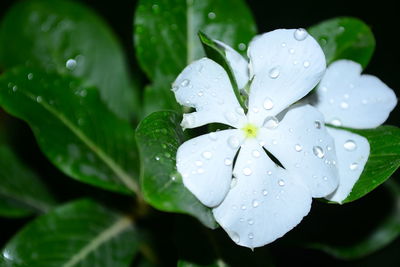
pixel 205 163
pixel 352 151
pixel 265 201
pixel 303 146
pixel 285 70
pixel 238 64
pixel 350 99
pixel 205 86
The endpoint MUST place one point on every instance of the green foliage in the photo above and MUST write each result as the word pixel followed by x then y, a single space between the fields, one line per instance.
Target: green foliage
pixel 66 37
pixel 159 136
pixel 80 233
pixel 345 38
pixel 75 130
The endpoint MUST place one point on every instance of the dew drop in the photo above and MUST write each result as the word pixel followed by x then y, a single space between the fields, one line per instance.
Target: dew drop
pixel 350 145
pixel 298 147
pixel 228 162
pixel 235 237
pixel 329 148
pixel 15 88
pixel 231 117
pixel 274 73
pixel 198 163
pixel 233 182
pixel 185 83
pixel 268 103
pixel 265 192
pixel 39 99
pixel 200 170
pixel 269 173
pixel 317 124
pixel 306 64
pixel 157 158
pixel 242 46
pixel 239 111
pixel 250 221
pixel 344 105
pixel 300 34
pixel 213 136
pixel 281 182
pixel 353 166
pixel 207 154
pixel 256 153
pixel 30 76
pixel 325 178
pixel 270 122
pixel 291 51
pixel 283 44
pixel 318 151
pixel 255 203
pixel 211 15
pixel 200 93
pixel 247 171
pixel 251 236
pixel 70 64
pixel 243 207
pixel 336 122
pixel 233 142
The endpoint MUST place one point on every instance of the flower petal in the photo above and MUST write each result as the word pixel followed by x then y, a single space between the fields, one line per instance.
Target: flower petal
pixel 205 163
pixel 347 98
pixel 205 86
pixel 352 151
pixel 265 201
pixel 238 64
pixel 287 64
pixel 303 146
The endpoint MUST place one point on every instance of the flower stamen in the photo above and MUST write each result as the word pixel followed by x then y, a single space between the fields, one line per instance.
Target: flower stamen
pixel 250 130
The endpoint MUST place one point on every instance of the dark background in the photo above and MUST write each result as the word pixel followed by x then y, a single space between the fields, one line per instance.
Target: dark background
pixel 382 17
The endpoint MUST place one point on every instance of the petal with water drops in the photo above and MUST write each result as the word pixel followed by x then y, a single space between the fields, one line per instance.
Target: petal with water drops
pixel 347 98
pixel 265 201
pixel 238 64
pixel 302 145
pixel 287 65
pixel 205 86
pixel 352 151
pixel 205 163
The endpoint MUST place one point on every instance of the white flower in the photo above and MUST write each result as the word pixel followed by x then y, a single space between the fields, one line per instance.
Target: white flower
pixel 349 99
pixel 262 201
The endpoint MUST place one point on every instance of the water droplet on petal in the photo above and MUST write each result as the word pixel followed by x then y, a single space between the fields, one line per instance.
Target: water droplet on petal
pixel 250 221
pixel 247 171
pixel 265 192
pixel 228 162
pixel 270 122
pixel 281 182
pixel 251 236
pixel 274 73
pixel 188 121
pixel 231 117
pixel 255 203
pixel 243 207
pixel 200 93
pixel 233 142
pixel 306 64
pixel 269 173
pixel 318 151
pixel 233 182
pixel 344 105
pixel 207 154
pixel 291 51
pixel 354 166
pixel 198 163
pixel 268 103
pixel 350 145
pixel 300 34
pixel 336 122
pixel 298 147
pixel 213 136
pixel 317 124
pixel 185 83
pixel 239 111
pixel 235 237
pixel 200 170
pixel 256 153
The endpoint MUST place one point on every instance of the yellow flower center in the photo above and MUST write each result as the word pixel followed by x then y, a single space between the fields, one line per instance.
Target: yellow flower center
pixel 250 130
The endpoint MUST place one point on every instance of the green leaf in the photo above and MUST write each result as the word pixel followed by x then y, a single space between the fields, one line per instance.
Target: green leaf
pixel 383 161
pixel 21 190
pixel 345 38
pixel 387 231
pixel 164 53
pixel 217 53
pixel 74 129
pixel 80 233
pixel 67 37
pixel 159 136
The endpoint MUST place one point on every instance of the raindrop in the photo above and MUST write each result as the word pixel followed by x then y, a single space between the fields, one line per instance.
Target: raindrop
pixel 173 178
pixel 233 182
pixel 256 153
pixel 298 147
pixel 336 122
pixel 239 111
pixel 242 46
pixel 231 117
pixel 233 142
pixel 200 93
pixel 213 136
pixel 283 44
pixel 268 104
pixel 243 207
pixel 269 173
pixel 185 83
pixel 30 76
pixel 70 64
pixel 318 152
pixel 157 158
pixel 207 154
pixel 39 99
pixel 325 178
pixel 329 148
pixel 344 105
pixel 306 64
pixel 174 88
pixel 200 170
pixel 317 124
pixel 291 51
pixel 15 88
pixel 265 192
pixel 255 203
pixel 353 166
pixel 251 236
pixel 228 162
pixel 250 221
pixel 198 163
pixel 271 122
pixel 350 145
pixel 247 171
pixel 323 41
pixel 235 237
pixel 300 34
pixel 281 182
pixel 211 15
pixel 273 74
